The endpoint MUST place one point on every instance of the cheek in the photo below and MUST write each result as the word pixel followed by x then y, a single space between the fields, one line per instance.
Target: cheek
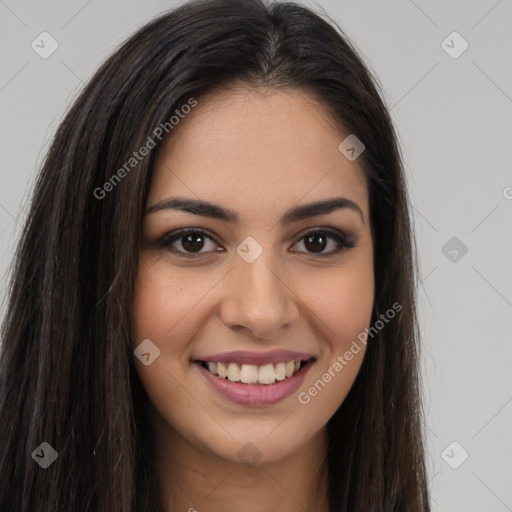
pixel 163 312
pixel 342 304
pixel 164 301
pixel 347 310
pixel 344 309
pixel 162 307
pixel 168 309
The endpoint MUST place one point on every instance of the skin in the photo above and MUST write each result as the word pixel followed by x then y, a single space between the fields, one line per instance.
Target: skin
pixel 259 152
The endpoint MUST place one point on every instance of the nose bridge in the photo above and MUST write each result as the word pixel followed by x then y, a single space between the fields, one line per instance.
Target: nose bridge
pixel 257 297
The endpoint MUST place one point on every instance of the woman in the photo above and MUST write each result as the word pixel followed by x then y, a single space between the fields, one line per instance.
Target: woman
pixel 212 305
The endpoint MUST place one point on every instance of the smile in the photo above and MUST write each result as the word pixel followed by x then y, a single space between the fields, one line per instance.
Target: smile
pixel 253 374
pixel 255 379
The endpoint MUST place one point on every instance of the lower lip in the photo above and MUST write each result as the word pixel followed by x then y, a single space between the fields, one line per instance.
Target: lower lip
pixel 247 394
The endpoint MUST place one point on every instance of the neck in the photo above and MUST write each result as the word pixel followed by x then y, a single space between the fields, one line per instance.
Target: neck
pixel 193 479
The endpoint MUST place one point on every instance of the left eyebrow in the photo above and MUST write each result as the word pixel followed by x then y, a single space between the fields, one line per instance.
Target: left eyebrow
pixel 305 211
pixel 295 214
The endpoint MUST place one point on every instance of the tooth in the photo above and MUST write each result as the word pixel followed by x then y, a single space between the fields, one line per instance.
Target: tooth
pixel 267 374
pixel 233 372
pixel 280 371
pixel 222 369
pixel 249 373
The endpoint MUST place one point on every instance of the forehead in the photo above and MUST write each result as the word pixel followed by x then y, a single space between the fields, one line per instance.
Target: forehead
pixel 246 148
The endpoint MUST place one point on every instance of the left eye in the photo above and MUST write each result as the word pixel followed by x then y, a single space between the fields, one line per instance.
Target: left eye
pixel 314 239
pixel 192 242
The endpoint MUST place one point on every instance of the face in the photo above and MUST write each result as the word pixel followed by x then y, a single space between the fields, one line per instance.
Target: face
pixel 260 287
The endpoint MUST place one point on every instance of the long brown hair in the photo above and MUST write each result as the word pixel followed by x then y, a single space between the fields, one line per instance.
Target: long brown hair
pixel 67 375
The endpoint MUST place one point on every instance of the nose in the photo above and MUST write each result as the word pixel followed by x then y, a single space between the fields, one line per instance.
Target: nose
pixel 258 299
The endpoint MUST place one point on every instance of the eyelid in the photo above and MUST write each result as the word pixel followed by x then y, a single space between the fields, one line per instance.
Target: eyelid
pixel 172 236
pixel 343 239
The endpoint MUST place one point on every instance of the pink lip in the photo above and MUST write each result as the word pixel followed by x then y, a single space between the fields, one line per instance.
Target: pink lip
pixel 249 394
pixel 257 358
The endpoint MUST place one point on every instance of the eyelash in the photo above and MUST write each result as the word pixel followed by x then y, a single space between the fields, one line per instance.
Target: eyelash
pixel 168 239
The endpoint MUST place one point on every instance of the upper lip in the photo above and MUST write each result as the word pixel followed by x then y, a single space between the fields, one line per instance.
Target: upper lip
pixel 256 358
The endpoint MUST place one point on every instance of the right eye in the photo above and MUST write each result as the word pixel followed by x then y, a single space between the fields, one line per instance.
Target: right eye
pixel 190 239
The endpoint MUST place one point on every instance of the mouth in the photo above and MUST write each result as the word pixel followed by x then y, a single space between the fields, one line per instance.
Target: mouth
pixel 255 384
pixel 260 375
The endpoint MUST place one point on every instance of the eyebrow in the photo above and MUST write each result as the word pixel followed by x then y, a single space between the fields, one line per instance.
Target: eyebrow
pixel 295 214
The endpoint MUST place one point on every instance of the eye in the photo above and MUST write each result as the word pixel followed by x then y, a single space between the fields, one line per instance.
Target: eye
pixel 192 239
pixel 189 243
pixel 318 239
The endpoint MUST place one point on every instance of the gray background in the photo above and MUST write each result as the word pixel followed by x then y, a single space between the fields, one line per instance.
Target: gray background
pixel 454 118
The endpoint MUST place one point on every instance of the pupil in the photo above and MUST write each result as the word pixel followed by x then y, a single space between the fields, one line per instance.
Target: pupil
pixel 192 242
pixel 315 237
